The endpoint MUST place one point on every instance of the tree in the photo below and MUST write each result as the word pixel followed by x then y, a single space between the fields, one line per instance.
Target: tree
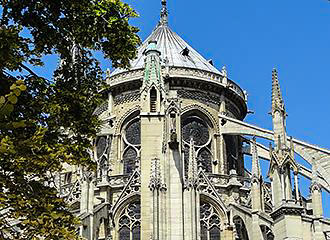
pixel 45 123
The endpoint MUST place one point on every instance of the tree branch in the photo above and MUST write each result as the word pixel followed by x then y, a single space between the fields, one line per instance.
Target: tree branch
pixel 28 70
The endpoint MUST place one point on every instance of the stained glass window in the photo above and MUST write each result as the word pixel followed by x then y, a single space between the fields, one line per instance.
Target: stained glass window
pixel 124 233
pixel 203 232
pixel 231 151
pixel 240 228
pixel 129 159
pixel 215 233
pixel 133 132
pixel 136 232
pixel 129 222
pixel 210 222
pixel 205 159
pixel 195 128
pixel 132 142
pixel 101 146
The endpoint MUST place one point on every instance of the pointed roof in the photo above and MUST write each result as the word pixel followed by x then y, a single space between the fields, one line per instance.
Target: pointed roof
pixel 175 52
pixel 277 99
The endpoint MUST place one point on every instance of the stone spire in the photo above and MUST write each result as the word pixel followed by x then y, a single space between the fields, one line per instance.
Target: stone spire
pixel 278 113
pixel 255 160
pixel 256 193
pixel 277 99
pixel 164 13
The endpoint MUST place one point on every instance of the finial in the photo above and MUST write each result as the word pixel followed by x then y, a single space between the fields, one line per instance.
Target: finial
pixel 164 13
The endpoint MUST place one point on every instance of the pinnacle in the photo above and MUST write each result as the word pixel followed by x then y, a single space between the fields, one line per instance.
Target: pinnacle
pixel 277 99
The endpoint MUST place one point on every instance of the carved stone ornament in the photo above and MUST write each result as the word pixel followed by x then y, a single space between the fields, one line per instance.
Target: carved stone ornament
pixel 131 188
pixel 155 175
pixel 209 221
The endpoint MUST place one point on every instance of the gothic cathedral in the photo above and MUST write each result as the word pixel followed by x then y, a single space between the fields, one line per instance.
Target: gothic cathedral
pixel 170 157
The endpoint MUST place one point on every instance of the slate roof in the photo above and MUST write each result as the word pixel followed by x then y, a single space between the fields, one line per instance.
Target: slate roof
pixel 173 49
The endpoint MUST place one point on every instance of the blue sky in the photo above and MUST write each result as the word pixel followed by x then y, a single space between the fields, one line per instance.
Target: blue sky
pixel 251 38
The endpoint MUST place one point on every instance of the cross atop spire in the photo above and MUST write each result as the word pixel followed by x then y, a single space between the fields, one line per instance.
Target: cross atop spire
pixel 164 13
pixel 277 100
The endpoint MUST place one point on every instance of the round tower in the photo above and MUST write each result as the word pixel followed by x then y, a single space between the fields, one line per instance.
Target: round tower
pixel 161 143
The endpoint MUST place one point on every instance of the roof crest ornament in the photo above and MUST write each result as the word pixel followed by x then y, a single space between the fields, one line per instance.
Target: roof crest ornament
pixel 164 14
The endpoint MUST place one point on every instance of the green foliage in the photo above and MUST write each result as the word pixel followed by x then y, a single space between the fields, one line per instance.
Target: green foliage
pixel 46 123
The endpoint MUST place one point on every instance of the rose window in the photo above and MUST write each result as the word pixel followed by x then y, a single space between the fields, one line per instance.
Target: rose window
pixel 196 129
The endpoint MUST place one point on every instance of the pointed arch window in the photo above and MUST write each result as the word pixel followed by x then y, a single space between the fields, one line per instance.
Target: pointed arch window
pixel 153 100
pixel 130 157
pixel 129 222
pixel 232 153
pixel 209 222
pixel 132 145
pixel 240 228
pixel 197 128
pixel 101 154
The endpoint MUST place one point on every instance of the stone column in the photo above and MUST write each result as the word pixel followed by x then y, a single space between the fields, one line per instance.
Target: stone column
pixel 277 194
pixel 296 186
pixel 283 185
pixel 316 200
pixel 151 132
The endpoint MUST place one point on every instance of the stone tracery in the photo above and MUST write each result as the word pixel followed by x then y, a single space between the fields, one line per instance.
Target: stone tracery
pixel 131 142
pixel 209 222
pixel 129 222
pixel 195 128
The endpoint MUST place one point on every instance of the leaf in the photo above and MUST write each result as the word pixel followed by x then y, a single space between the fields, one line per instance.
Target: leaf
pixel 12 99
pixel 12 87
pixel 19 82
pixel 17 92
pixel 7 109
pixel 2 100
pixel 19 124
pixel 22 87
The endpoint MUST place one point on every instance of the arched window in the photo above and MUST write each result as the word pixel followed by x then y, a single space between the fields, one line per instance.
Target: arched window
pixel 132 145
pixel 130 157
pixel 240 228
pixel 231 152
pixel 129 222
pixel 153 100
pixel 198 129
pixel 103 148
pixel 205 159
pixel 209 222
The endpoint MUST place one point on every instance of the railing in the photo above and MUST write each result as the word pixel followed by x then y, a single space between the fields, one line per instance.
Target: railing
pixel 179 72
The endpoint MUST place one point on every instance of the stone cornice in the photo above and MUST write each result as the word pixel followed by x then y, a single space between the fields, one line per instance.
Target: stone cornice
pixel 287 209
